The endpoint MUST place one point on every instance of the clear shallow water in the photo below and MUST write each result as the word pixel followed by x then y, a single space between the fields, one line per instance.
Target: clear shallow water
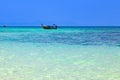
pixel 63 54
pixel 70 36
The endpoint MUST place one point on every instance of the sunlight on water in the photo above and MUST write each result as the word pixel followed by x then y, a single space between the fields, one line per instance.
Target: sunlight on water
pixel 62 55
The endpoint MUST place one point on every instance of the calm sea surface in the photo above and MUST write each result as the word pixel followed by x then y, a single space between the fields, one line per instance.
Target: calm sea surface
pixel 68 53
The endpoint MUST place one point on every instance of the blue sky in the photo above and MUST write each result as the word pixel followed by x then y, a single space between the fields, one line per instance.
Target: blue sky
pixel 60 12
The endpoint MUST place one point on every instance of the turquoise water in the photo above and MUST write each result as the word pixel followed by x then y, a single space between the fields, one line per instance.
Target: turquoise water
pixel 62 54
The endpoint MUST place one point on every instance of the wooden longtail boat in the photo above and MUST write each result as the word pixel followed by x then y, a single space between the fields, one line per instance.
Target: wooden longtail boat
pixel 49 27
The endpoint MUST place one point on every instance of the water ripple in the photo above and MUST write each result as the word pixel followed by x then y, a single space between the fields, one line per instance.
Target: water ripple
pixel 77 38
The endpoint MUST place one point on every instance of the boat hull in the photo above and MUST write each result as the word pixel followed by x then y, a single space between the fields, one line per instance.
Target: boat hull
pixel 49 27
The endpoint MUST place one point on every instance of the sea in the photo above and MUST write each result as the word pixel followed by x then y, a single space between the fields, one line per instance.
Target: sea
pixel 66 53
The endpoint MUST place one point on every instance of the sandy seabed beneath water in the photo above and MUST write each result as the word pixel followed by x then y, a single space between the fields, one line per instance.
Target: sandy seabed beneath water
pixel 37 61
